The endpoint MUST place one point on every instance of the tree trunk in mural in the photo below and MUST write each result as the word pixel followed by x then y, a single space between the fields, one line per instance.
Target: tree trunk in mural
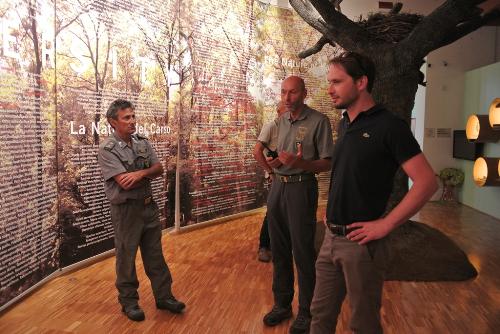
pixel 30 26
pixel 397 42
pixel 92 43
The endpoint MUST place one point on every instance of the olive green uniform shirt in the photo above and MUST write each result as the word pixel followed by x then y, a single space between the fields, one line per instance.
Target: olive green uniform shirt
pixel 116 157
pixel 312 130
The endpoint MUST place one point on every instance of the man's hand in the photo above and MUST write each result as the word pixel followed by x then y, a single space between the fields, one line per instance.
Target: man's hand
pixel 129 180
pixel 274 163
pixel 365 232
pixel 290 159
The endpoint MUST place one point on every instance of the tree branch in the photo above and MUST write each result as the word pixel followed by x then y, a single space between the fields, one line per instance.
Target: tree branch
pixel 309 14
pixel 470 26
pixel 334 26
pixel 397 8
pixel 347 34
pixel 316 48
pixel 434 28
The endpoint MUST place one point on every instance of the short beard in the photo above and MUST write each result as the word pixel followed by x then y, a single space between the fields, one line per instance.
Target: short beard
pixel 295 107
pixel 346 104
pixel 341 106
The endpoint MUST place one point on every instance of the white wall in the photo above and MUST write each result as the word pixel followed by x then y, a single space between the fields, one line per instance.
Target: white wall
pixel 445 89
pixel 482 86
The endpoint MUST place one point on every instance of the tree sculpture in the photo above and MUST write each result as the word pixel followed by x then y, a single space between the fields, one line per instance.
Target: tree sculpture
pixel 397 43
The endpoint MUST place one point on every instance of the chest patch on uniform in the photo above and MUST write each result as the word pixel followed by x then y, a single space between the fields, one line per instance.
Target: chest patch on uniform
pixel 301 133
pixel 109 146
pixel 366 135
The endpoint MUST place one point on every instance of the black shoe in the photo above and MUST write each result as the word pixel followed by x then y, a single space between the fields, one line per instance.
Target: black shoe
pixel 301 324
pixel 171 304
pixel 134 313
pixel 277 315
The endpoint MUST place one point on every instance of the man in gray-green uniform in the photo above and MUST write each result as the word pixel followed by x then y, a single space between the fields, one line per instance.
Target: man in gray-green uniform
pixel 128 163
pixel 304 148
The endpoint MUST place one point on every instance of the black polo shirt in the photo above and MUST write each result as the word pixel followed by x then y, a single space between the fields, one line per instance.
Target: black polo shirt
pixel 367 154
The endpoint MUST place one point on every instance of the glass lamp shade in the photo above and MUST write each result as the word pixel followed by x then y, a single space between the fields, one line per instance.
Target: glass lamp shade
pixel 494 114
pixel 486 172
pixel 478 130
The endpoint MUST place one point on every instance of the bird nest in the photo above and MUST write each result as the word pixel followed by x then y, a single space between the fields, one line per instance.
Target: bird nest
pixel 390 28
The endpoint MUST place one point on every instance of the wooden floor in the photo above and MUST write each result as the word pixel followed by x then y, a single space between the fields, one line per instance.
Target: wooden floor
pixel 228 291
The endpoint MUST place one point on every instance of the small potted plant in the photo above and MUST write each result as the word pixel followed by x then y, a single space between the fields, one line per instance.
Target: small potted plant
pixel 451 178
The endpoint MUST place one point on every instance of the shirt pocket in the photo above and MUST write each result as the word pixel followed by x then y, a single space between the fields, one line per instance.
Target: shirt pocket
pixel 126 161
pixel 143 160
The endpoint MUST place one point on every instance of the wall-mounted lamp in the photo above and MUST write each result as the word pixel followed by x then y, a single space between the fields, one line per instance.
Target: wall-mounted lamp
pixel 486 172
pixel 494 114
pixel 478 130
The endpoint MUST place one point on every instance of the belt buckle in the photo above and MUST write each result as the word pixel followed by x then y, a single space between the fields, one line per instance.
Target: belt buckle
pixel 338 229
pixel 148 200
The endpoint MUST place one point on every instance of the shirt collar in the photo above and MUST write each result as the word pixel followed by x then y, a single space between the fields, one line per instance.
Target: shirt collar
pixel 369 112
pixel 373 109
pixel 302 116
pixel 122 144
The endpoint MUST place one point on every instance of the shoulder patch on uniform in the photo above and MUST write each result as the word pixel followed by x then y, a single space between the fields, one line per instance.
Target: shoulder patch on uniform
pixel 140 137
pixel 109 145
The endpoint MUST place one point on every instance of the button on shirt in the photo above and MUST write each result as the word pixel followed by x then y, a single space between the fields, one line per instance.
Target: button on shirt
pixel 367 155
pixel 312 130
pixel 116 157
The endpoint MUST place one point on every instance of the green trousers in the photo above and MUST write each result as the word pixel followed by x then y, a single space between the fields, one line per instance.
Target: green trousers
pixel 138 225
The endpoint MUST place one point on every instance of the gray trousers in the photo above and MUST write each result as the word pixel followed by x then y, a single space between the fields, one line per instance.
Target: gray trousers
pixel 345 267
pixel 138 225
pixel 291 212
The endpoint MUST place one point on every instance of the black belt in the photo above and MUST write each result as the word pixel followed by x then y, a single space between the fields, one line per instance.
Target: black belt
pixel 295 178
pixel 338 229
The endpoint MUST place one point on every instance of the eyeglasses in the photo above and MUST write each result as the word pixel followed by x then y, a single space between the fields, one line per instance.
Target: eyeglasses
pixel 350 54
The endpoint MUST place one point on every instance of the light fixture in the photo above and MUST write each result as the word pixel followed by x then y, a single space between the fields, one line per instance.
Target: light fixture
pixel 494 114
pixel 486 172
pixel 478 130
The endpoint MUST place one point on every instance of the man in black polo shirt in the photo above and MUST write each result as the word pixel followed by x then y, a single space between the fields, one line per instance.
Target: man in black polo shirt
pixel 304 148
pixel 373 143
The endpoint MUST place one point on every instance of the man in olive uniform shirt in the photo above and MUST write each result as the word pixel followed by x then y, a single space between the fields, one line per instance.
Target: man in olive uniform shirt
pixel 128 163
pixel 304 148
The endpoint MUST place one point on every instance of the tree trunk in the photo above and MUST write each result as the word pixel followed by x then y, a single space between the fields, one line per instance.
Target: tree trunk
pixel 395 86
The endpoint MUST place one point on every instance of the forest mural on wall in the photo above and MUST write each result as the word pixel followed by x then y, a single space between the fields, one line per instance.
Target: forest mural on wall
pixel 28 175
pixel 204 76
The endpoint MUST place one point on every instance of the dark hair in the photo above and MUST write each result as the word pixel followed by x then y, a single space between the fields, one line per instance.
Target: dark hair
pixel 356 65
pixel 116 106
